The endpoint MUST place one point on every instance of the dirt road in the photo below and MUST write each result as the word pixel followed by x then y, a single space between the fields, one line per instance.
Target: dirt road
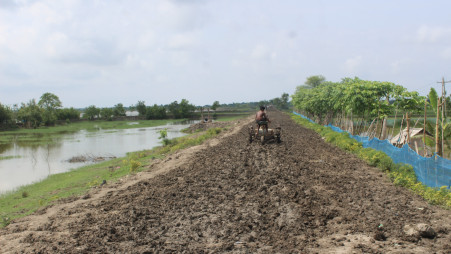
pixel 299 196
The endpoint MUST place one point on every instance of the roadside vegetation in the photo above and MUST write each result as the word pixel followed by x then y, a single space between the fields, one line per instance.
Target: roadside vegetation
pixel 400 174
pixel 363 106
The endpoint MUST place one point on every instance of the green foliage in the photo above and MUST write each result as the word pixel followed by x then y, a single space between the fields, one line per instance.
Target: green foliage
pixel 181 110
pixel 163 136
pixel 156 112
pixel 30 114
pixel 401 174
pixel 49 104
pixel 67 113
pixel 356 96
pixel 433 99
pixel 5 220
pixel 6 116
pixel 107 114
pixel 92 112
pixel 134 165
pixel 119 110
pixel 281 102
pixel 141 108
pixel 215 105
pixel 314 81
pixel 49 101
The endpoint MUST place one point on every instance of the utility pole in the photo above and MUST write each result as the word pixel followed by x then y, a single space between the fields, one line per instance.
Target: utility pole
pixel 443 109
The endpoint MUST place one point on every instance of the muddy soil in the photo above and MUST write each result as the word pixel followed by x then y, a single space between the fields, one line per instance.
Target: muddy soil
pixel 299 196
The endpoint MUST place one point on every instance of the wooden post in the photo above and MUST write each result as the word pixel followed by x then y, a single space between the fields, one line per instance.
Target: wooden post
pixel 437 137
pixel 416 147
pixel 202 114
pixel 394 123
pixel 208 114
pixel 408 128
pixel 424 128
pixel 443 113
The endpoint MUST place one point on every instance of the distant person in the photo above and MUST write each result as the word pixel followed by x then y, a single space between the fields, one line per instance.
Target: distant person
pixel 262 119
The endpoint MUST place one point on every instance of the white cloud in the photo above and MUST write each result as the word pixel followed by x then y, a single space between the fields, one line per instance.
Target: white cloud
pixel 262 52
pixel 428 34
pixel 352 65
pixel 446 53
pixel 183 41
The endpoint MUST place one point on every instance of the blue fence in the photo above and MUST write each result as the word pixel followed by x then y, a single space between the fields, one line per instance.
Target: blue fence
pixel 433 172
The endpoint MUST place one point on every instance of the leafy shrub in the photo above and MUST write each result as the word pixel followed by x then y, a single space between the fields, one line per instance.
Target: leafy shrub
pixel 5 221
pixel 134 165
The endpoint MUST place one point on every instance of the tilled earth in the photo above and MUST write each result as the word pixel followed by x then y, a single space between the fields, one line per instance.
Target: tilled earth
pixel 299 196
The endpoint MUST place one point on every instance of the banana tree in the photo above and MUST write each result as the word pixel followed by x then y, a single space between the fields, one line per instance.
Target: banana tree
pixel 439 125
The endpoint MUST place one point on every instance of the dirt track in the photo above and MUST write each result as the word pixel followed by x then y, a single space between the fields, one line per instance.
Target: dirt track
pixel 302 195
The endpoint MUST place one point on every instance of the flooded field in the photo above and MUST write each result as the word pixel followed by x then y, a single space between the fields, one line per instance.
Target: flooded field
pixel 24 163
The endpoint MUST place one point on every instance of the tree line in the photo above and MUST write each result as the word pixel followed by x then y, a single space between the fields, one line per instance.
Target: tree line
pixel 365 102
pixel 48 111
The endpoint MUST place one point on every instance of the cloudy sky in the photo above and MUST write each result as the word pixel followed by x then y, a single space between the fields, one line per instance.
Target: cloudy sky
pixel 104 52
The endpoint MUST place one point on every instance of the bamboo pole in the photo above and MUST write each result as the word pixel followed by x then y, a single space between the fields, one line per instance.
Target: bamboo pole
pixel 443 113
pixel 202 114
pixel 424 128
pixel 394 123
pixel 369 128
pixel 408 128
pixel 401 132
pixel 436 128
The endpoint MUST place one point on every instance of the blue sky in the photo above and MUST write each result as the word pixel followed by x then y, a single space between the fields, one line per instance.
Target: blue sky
pixel 107 52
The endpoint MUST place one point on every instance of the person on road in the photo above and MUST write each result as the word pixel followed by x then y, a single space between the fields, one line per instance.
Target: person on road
pixel 262 119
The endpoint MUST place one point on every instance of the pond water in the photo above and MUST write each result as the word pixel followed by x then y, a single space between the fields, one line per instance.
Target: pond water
pixel 33 163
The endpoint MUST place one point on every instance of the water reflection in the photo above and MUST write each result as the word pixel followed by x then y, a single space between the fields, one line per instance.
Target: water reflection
pixel 34 161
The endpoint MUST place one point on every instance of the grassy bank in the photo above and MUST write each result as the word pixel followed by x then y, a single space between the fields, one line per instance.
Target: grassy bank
pixel 47 135
pixel 401 174
pixel 28 199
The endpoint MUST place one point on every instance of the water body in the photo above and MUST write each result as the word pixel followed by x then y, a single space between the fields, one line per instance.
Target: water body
pixel 35 163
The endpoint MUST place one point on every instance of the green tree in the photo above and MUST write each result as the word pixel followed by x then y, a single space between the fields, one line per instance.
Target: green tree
pixel 156 112
pixel 186 108
pixel 119 110
pixel 92 112
pixel 107 114
pixel 49 103
pixel 215 105
pixel 314 81
pixel 30 114
pixel 285 98
pixel 141 108
pixel 68 114
pixel 6 116
pixel 174 108
pixel 181 110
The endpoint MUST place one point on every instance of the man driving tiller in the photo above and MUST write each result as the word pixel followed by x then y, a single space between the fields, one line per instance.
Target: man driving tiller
pixel 262 119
